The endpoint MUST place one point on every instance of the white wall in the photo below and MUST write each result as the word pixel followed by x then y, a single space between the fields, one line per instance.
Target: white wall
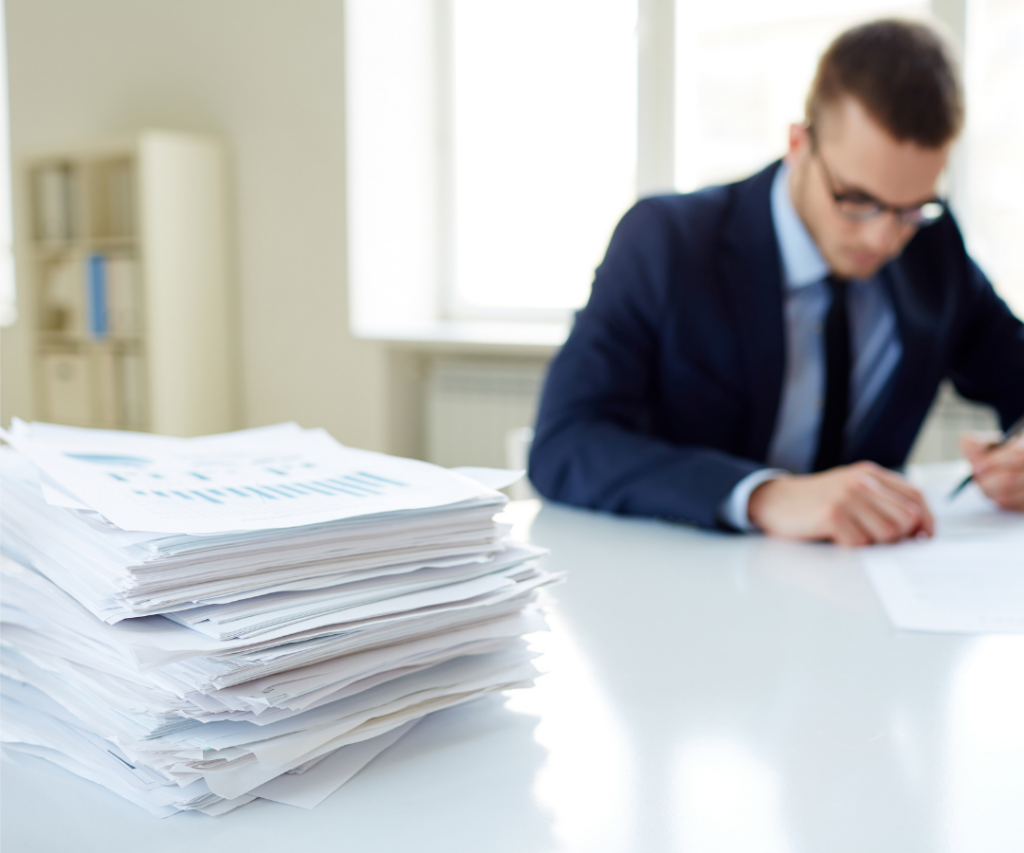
pixel 266 76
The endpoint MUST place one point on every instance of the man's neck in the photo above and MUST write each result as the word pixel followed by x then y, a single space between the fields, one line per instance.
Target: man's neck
pixel 802 262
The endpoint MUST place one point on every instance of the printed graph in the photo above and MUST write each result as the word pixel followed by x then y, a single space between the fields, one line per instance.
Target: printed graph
pixel 233 480
pixel 259 479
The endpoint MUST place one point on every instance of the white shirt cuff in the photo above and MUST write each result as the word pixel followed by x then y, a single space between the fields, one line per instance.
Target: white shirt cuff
pixel 733 510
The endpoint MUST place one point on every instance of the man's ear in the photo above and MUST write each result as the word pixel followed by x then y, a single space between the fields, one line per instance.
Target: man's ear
pixel 799 143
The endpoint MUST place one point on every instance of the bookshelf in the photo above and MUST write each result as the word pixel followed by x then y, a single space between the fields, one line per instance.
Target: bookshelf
pixel 125 255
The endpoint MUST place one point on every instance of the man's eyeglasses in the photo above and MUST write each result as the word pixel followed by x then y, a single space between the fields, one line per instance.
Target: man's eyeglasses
pixel 859 206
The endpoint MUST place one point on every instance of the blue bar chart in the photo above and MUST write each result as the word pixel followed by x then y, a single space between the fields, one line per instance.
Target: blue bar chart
pixel 358 484
pixel 234 481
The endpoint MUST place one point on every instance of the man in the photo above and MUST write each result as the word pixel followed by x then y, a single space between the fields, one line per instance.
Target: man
pixel 762 355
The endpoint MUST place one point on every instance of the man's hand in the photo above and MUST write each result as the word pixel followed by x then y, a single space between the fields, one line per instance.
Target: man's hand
pixel 999 471
pixel 852 505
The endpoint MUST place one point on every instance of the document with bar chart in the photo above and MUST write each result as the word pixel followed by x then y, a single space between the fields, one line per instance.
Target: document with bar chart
pixel 274 477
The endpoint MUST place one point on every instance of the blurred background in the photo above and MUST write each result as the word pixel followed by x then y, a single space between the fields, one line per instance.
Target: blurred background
pixel 377 216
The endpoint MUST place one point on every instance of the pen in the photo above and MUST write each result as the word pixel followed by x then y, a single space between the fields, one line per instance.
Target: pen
pixel 1009 435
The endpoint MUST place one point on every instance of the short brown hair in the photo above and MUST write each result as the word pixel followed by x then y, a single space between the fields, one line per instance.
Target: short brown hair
pixel 904 75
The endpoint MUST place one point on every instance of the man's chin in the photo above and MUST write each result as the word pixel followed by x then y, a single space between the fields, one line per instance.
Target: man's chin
pixel 858 267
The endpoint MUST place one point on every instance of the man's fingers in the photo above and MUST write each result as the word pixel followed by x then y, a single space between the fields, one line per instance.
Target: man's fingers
pixel 1014 500
pixel 876 526
pixel 866 510
pixel 849 533
pixel 895 481
pixel 1003 485
pixel 976 444
pixel 887 517
pixel 851 505
pixel 894 489
pixel 999 472
pixel 1008 457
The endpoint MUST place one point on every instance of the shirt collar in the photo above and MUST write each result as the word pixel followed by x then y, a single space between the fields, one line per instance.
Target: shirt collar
pixel 802 263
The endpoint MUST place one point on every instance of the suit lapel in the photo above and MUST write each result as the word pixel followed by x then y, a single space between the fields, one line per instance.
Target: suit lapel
pixel 752 273
pixel 891 425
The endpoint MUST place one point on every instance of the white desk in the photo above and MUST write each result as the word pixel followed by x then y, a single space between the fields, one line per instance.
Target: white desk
pixel 707 693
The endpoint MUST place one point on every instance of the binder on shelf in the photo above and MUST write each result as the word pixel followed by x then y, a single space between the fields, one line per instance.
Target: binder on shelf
pixel 96 284
pixel 55 198
pixel 64 298
pixel 118 189
pixel 123 308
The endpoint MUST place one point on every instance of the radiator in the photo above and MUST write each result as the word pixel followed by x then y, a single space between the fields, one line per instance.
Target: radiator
pixel 476 411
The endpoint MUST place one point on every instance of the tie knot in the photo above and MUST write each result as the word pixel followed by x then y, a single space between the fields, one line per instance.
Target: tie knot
pixel 836 284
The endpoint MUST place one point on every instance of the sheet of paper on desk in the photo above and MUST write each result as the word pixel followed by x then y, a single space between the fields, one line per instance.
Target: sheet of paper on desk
pixel 970 514
pixel 956 586
pixel 969 579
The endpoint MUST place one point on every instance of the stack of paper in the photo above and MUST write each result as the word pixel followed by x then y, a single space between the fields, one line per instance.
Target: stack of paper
pixel 196 623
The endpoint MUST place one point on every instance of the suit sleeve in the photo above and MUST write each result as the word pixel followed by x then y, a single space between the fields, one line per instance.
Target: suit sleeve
pixel 594 446
pixel 988 362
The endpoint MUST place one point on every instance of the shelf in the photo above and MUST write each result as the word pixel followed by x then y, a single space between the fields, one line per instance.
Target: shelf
pixel 129 239
pixel 49 339
pixel 85 245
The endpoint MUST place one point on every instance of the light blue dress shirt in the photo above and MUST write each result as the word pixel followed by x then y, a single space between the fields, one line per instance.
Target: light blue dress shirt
pixel 874 338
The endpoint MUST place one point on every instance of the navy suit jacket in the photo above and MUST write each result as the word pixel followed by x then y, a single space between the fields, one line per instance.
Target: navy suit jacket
pixel 666 392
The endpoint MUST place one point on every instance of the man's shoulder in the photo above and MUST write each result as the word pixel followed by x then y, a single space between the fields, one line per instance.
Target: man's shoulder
pixel 701 214
pixel 671 245
pixel 700 202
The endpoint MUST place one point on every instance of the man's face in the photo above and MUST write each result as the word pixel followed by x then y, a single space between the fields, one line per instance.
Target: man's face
pixel 859 157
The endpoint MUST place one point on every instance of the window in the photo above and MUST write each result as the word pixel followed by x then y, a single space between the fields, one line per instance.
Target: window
pixel 494 145
pixel 544 148
pixel 989 191
pixel 492 149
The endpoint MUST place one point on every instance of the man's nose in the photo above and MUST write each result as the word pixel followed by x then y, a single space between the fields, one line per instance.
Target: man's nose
pixel 884 233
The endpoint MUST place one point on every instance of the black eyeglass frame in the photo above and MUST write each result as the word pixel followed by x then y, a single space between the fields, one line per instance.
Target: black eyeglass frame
pixel 918 215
